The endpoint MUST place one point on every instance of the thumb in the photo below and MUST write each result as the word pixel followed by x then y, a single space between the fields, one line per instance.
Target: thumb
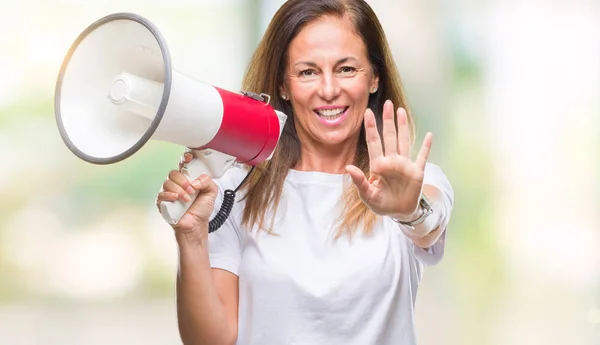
pixel 206 195
pixel 359 179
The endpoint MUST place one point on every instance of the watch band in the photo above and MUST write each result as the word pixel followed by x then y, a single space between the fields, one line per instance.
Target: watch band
pixel 426 208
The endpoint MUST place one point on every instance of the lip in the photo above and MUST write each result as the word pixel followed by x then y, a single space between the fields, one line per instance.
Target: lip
pixel 336 121
pixel 328 107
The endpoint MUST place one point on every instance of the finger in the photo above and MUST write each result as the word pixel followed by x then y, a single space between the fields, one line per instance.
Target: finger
pixel 205 184
pixel 390 138
pixel 372 136
pixel 184 159
pixel 187 157
pixel 201 182
pixel 359 179
pixel 166 196
pixel 204 204
pixel 172 187
pixel 403 134
pixel 182 181
pixel 424 151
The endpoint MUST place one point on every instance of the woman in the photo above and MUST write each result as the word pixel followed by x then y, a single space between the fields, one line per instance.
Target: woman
pixel 327 243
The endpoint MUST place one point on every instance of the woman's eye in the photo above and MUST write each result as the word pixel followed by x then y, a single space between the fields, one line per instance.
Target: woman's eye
pixel 307 73
pixel 347 70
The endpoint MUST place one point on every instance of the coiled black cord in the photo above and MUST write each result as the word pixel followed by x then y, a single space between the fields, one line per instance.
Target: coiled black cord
pixel 226 206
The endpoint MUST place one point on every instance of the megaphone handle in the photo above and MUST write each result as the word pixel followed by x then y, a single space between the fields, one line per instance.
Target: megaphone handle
pixel 209 162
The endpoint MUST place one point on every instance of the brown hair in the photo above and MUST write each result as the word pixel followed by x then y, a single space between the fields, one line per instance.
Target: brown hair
pixel 266 74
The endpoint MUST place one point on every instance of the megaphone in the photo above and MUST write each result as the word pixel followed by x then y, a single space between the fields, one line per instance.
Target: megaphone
pixel 117 89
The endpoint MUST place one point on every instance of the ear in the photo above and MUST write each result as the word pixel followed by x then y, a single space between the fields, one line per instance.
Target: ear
pixel 374 84
pixel 283 92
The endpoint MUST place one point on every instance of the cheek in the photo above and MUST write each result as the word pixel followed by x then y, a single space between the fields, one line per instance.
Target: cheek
pixel 301 96
pixel 357 90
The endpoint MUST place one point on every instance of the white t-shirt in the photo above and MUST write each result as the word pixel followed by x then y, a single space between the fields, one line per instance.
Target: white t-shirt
pixel 303 287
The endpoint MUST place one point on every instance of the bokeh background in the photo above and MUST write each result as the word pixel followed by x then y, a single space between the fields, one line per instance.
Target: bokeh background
pixel 510 89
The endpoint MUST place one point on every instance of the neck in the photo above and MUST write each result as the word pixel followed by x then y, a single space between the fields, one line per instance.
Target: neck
pixel 326 158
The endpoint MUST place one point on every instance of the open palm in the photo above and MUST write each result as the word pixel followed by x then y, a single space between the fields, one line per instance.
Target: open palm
pixel 395 182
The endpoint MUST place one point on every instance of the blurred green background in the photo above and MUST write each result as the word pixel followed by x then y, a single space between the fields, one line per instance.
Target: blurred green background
pixel 509 89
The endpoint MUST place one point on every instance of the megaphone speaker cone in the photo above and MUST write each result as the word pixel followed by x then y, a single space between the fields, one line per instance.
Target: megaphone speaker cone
pixel 117 89
pixel 92 123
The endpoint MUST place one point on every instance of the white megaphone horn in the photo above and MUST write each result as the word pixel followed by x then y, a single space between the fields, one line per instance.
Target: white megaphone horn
pixel 117 89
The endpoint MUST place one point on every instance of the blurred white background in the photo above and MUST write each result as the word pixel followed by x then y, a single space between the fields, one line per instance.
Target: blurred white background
pixel 510 89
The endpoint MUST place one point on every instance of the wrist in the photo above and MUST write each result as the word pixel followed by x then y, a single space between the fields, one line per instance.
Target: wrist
pixel 409 217
pixel 197 236
pixel 424 210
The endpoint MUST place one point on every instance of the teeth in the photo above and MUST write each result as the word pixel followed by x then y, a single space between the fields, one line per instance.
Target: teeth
pixel 330 112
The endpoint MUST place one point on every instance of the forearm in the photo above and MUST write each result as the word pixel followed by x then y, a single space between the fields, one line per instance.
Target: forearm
pixel 201 315
pixel 427 233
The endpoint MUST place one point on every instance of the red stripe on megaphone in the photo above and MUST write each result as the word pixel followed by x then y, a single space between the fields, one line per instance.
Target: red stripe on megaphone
pixel 249 130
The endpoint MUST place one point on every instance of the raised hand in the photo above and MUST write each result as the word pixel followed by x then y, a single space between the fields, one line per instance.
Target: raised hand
pixel 395 182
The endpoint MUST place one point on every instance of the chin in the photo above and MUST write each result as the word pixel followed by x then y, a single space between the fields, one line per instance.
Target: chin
pixel 335 138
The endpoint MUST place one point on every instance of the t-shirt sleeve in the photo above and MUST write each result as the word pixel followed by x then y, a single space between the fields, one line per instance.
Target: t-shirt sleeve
pixel 225 244
pixel 434 176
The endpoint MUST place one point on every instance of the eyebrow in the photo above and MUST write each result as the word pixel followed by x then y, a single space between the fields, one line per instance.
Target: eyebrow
pixel 340 61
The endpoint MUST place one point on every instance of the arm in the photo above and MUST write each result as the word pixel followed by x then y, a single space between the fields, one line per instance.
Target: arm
pixel 426 234
pixel 207 299
pixel 396 182
pixel 439 192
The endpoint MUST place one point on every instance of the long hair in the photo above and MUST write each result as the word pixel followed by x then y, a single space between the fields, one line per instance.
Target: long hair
pixel 266 73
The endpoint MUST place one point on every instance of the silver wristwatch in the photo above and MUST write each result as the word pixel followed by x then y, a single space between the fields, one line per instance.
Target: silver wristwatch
pixel 426 211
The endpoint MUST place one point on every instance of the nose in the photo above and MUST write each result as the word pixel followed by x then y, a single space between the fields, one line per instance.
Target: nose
pixel 329 88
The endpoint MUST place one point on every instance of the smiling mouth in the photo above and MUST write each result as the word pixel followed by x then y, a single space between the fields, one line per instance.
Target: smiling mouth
pixel 331 114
